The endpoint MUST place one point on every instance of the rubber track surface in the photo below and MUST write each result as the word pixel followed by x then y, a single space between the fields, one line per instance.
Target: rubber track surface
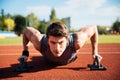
pixel 74 71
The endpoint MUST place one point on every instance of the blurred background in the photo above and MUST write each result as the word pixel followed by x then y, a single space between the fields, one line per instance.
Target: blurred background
pixel 15 15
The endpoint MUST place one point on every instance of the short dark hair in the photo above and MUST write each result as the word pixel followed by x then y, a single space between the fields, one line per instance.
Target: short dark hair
pixel 57 29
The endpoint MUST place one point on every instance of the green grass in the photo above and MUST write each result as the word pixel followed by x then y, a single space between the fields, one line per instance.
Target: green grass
pixel 11 41
pixel 107 39
pixel 102 39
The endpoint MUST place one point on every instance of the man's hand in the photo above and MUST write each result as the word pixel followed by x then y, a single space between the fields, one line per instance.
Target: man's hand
pixel 22 59
pixel 99 57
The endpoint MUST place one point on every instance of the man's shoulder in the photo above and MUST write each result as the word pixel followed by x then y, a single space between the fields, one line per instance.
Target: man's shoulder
pixel 72 36
pixel 44 40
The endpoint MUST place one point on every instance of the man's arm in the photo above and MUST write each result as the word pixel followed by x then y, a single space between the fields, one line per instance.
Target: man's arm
pixel 86 33
pixel 30 35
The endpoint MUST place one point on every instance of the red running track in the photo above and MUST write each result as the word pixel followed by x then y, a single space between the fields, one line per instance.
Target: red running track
pixel 74 71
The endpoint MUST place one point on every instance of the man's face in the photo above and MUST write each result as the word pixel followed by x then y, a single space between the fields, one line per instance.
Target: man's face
pixel 57 45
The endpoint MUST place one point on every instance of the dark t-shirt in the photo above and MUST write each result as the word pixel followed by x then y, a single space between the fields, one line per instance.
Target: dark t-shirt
pixel 68 55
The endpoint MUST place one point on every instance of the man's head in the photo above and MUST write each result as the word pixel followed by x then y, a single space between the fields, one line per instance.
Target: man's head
pixel 57 30
pixel 57 34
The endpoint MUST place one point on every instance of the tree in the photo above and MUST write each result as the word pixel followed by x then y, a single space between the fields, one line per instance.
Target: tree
pixel 53 15
pixel 102 30
pixel 1 23
pixel 32 20
pixel 42 27
pixel 9 23
pixel 6 21
pixel 20 22
pixel 2 20
pixel 116 26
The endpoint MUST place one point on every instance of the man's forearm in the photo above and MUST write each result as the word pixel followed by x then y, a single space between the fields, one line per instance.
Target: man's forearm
pixel 94 42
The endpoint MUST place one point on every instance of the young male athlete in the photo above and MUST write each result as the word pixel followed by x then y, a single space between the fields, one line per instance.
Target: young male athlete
pixel 58 46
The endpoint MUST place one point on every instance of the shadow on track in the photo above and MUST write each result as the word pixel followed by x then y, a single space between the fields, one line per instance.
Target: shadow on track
pixel 38 63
